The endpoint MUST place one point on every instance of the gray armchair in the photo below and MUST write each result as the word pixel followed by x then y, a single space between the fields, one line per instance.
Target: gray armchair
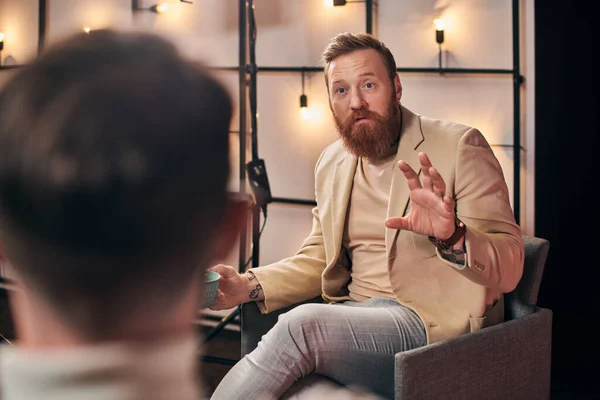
pixel 506 361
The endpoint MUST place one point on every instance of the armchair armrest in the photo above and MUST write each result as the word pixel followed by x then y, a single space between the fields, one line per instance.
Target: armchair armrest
pixel 255 324
pixel 510 360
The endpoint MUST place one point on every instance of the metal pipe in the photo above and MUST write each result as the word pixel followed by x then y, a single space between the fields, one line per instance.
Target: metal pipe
pixel 517 80
pixel 369 12
pixel 218 360
pixel 483 71
pixel 242 120
pixel 254 125
pixel 221 325
pixel 287 200
pixel 42 20
pixel 474 71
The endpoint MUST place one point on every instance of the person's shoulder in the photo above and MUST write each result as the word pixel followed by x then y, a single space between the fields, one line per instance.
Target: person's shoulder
pixel 450 132
pixel 443 127
pixel 332 154
pixel 335 149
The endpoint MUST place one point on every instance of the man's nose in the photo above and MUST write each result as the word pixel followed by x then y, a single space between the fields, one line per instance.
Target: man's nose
pixel 357 102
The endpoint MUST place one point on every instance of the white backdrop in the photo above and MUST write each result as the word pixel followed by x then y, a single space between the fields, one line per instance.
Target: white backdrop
pixel 294 33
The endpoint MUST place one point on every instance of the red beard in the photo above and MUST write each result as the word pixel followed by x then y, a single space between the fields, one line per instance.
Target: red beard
pixel 374 139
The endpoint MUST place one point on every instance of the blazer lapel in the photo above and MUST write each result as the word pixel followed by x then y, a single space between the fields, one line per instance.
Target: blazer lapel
pixel 343 176
pixel 411 138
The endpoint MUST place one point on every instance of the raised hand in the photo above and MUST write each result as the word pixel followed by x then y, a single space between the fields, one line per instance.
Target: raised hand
pixel 431 209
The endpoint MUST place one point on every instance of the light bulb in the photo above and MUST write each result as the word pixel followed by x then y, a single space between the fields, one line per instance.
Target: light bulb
pixel 305 113
pixel 313 114
pixel 162 7
pixel 439 24
pixel 328 3
pixel 87 29
pixel 1 37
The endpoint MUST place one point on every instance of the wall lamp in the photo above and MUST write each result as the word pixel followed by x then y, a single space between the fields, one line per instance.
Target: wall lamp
pixel 1 46
pixel 158 8
pixel 303 100
pixel 337 3
pixel 439 37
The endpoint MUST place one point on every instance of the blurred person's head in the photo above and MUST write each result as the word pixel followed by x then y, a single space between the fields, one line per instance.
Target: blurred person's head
pixel 364 93
pixel 113 173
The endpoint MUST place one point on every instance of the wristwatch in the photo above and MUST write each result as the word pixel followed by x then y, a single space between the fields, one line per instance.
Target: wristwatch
pixel 459 232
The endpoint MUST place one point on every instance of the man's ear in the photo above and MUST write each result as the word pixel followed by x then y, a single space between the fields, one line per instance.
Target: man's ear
pixel 234 220
pixel 398 88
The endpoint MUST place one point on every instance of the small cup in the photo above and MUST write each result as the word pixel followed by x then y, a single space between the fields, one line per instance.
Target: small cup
pixel 210 288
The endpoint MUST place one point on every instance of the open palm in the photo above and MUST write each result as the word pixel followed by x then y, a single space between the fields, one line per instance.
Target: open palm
pixel 431 209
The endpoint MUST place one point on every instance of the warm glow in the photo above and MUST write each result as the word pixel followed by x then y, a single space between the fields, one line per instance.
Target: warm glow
pixel 439 24
pixel 87 29
pixel 313 114
pixel 1 37
pixel 162 7
pixel 328 3
pixel 305 113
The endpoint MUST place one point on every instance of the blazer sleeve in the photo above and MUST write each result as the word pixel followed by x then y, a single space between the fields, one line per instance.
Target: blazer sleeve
pixel 296 278
pixel 494 244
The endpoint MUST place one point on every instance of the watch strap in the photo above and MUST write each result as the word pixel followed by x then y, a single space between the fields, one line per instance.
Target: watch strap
pixel 459 232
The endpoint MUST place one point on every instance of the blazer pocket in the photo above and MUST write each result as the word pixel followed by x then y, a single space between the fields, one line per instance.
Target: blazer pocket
pixel 476 323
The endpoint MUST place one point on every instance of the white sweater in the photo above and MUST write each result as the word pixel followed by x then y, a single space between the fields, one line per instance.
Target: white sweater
pixel 114 371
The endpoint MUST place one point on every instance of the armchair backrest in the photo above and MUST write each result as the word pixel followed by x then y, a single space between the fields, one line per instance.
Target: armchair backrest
pixel 523 299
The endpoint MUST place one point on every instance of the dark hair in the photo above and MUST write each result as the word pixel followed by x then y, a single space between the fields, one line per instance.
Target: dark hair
pixel 114 158
pixel 346 43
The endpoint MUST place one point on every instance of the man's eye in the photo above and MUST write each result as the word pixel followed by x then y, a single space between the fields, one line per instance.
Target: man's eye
pixel 340 90
pixel 369 85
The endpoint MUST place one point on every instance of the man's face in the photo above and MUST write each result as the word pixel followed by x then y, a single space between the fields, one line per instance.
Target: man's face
pixel 364 102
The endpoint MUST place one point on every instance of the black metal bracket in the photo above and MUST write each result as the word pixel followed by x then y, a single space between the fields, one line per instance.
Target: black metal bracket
pixel 251 68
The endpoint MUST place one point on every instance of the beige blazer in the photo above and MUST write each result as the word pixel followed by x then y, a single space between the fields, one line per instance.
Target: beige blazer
pixel 450 299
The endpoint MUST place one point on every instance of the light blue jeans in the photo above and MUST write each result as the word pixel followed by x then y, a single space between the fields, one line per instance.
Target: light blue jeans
pixel 352 343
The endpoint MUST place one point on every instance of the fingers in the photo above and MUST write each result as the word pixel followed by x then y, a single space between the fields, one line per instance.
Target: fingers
pixel 449 203
pixel 397 223
pixel 216 304
pixel 439 186
pixel 411 176
pixel 425 166
pixel 432 180
pixel 225 271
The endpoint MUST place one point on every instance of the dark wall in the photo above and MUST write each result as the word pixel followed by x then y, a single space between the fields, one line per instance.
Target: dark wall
pixel 567 195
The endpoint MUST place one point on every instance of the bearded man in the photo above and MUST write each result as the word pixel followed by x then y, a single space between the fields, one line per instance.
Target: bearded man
pixel 413 241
